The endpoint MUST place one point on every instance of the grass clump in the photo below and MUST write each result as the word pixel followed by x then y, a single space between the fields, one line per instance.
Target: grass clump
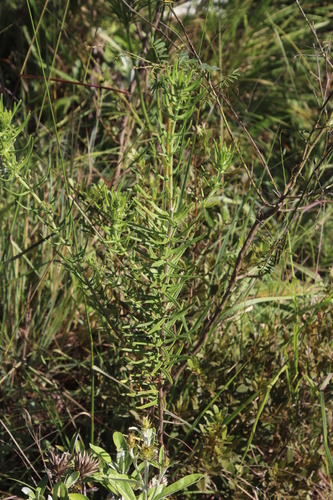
pixel 165 249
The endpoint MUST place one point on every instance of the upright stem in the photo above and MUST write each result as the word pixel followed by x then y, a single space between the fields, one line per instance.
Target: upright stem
pixel 169 185
pixel 160 410
pixel 146 478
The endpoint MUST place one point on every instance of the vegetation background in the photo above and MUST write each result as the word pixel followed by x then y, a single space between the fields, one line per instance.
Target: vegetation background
pixel 167 249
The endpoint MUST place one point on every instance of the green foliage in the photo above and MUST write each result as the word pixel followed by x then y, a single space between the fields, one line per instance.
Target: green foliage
pixel 166 251
pixel 129 477
pixel 216 444
pixel 8 135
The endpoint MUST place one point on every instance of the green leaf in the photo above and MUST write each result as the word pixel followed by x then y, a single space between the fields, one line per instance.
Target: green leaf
pixel 329 460
pixel 124 461
pixel 119 441
pixel 209 217
pixel 242 388
pixel 122 478
pixel 41 487
pixel 183 483
pixel 161 455
pixel 77 496
pixel 207 67
pixel 29 492
pixel 120 484
pixel 43 483
pixel 76 445
pixel 72 478
pixel 154 491
pixel 147 405
pixel 60 491
pixel 102 454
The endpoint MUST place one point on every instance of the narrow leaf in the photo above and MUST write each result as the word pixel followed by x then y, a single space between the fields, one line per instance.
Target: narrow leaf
pixel 183 483
pixel 101 453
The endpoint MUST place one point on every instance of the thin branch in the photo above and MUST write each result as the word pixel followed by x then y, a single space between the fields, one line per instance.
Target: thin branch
pixel 312 28
pixel 212 87
pixel 261 218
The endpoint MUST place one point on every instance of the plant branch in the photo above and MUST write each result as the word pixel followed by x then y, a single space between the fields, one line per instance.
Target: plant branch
pixel 261 218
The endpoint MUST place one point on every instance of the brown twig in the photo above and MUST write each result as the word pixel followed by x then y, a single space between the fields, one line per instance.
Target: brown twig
pixel 312 28
pixel 74 82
